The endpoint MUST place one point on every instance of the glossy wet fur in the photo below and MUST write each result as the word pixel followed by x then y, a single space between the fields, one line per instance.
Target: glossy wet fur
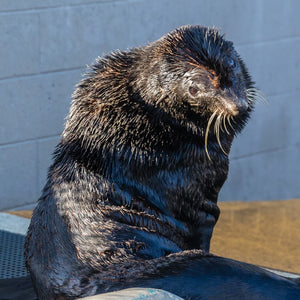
pixel 137 172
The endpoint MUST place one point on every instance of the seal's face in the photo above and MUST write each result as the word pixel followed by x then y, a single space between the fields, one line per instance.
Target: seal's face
pixel 213 76
pixel 209 79
pixel 205 89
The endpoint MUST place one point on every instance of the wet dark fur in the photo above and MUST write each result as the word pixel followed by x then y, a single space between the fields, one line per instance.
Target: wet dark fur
pixel 132 189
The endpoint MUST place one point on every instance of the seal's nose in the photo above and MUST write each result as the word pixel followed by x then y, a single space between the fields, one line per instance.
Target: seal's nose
pixel 242 105
pixel 233 102
pixel 235 105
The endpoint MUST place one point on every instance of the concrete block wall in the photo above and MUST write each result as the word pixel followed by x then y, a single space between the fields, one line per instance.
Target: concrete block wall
pixel 45 46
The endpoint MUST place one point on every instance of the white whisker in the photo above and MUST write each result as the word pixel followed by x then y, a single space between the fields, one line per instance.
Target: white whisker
pixel 256 94
pixel 224 123
pixel 207 130
pixel 217 131
pixel 220 122
pixel 232 119
pixel 229 122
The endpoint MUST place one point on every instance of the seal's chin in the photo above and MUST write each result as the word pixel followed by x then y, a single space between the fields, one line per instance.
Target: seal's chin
pixel 206 232
pixel 202 234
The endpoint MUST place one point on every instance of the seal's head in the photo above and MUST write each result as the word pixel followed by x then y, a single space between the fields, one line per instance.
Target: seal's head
pixel 203 72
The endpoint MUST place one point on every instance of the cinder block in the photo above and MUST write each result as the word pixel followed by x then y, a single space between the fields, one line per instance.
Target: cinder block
pixel 13 5
pixel 255 21
pixel 79 34
pixel 142 27
pixel 266 176
pixel 19 40
pixel 34 107
pixel 46 148
pixel 18 176
pixel 16 5
pixel 274 65
pixel 271 126
pixel 235 18
pixel 62 34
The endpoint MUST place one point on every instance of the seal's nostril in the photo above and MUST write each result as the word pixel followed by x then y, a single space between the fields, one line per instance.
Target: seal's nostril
pixel 243 104
pixel 235 106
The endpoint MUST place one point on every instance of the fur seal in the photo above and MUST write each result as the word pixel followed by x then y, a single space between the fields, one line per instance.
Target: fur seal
pixel 131 197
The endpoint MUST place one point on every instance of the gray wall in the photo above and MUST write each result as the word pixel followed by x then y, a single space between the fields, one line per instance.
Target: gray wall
pixel 46 44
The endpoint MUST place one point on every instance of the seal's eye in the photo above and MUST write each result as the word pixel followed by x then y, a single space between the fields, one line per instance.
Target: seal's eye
pixel 231 63
pixel 193 91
